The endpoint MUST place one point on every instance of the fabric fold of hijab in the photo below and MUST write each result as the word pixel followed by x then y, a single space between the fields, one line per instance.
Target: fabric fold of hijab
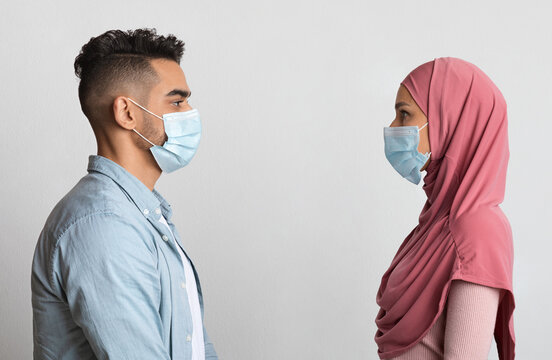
pixel 462 232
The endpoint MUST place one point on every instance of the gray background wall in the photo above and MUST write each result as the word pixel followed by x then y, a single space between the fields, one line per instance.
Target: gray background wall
pixel 290 209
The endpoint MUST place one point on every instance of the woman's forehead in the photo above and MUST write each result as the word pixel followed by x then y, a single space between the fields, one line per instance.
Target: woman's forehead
pixel 403 94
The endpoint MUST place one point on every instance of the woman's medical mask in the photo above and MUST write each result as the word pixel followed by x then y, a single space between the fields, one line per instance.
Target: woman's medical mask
pixel 401 149
pixel 183 131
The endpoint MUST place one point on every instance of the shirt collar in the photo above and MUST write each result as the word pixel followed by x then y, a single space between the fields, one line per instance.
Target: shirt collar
pixel 150 203
pixel 165 206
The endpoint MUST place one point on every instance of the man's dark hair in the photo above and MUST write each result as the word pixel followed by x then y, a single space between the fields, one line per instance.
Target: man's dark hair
pixel 117 59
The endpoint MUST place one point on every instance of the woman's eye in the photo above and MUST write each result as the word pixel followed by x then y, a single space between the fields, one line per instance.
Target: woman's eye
pixel 404 114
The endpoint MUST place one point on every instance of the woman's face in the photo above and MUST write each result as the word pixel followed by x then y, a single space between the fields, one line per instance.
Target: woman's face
pixel 407 113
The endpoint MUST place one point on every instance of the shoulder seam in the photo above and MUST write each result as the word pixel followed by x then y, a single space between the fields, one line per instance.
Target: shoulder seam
pixel 54 250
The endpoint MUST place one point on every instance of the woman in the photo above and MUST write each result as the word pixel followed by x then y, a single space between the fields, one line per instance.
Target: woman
pixel 449 287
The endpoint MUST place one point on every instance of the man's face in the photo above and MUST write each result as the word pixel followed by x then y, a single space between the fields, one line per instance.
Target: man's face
pixel 169 95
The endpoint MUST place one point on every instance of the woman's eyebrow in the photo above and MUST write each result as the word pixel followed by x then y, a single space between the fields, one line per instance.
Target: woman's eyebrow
pixel 399 104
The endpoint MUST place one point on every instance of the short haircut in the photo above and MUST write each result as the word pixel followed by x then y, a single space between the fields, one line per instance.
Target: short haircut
pixel 118 59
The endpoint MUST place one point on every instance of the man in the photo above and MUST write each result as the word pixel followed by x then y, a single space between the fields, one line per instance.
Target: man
pixel 110 277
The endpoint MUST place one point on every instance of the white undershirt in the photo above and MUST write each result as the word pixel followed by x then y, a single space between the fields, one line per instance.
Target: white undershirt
pixel 198 345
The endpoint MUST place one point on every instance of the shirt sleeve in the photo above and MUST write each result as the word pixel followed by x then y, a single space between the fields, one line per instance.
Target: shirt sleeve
pixel 109 276
pixel 210 353
pixel 470 320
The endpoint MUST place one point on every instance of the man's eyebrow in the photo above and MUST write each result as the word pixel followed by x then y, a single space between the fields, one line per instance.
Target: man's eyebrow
pixel 184 93
pixel 399 104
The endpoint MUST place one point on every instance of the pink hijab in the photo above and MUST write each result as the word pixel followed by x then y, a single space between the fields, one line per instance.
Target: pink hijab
pixel 462 232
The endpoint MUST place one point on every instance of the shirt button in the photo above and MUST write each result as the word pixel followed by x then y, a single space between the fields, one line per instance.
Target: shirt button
pixel 165 237
pixel 146 211
pixel 183 285
pixel 188 338
pixel 158 211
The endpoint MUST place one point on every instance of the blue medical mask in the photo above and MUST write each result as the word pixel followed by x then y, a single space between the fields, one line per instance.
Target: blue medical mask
pixel 183 131
pixel 401 149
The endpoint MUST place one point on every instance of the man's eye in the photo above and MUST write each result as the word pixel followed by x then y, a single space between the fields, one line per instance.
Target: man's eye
pixel 177 103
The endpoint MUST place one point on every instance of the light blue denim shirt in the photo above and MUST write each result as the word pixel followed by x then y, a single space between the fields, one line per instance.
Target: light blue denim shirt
pixel 107 282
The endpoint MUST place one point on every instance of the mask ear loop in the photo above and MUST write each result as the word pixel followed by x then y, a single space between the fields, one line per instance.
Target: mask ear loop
pixel 428 154
pixel 142 136
pixel 143 108
pixel 146 110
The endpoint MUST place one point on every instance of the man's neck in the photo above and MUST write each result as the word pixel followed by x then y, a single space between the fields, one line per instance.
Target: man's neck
pixel 138 162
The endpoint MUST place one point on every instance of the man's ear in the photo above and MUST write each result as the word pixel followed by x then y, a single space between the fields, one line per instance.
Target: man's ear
pixel 125 112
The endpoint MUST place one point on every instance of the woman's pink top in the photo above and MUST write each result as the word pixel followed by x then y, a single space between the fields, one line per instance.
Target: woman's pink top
pixel 464 330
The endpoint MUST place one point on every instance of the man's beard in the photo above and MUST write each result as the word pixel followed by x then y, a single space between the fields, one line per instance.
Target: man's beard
pixel 151 133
